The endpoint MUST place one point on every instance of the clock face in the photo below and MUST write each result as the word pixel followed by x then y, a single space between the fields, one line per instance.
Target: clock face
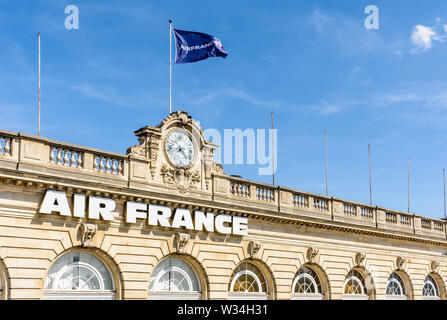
pixel 180 149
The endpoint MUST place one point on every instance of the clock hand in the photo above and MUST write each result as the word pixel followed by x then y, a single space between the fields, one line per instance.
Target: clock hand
pixel 183 151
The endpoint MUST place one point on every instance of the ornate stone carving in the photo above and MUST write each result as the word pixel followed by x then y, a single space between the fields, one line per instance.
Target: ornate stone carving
pixel 181 240
pixel 148 148
pixel 253 248
pixel 311 254
pixel 88 232
pixel 400 262
pixel 360 259
pixel 182 116
pixel 210 166
pixel 154 143
pixel 183 179
pixel 139 151
pixel 434 266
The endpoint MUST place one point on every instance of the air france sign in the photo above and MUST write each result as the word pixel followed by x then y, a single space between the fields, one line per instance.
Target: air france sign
pixel 155 215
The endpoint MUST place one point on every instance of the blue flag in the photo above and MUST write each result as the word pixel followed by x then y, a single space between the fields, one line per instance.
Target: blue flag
pixel 196 46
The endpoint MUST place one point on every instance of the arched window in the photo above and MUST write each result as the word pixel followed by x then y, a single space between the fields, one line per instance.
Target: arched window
pixel 174 278
pixel 395 288
pixel 307 285
pixel 247 282
pixel 79 275
pixel 355 286
pixel 430 289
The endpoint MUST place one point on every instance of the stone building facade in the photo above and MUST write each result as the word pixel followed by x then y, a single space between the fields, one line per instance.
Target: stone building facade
pixel 75 223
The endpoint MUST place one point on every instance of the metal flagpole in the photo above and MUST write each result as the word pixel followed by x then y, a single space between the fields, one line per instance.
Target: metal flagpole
pixel 443 175
pixel 273 154
pixel 170 66
pixel 38 35
pixel 408 185
pixel 370 185
pixel 325 157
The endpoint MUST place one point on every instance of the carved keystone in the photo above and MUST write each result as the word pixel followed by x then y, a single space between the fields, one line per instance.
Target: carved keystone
pixel 311 254
pixel 181 240
pixel 88 232
pixel 434 266
pixel 360 259
pixel 253 248
pixel 400 262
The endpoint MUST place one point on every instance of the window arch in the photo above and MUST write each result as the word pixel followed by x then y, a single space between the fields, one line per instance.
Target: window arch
pixel 247 282
pixel 174 278
pixel 4 281
pixel 430 289
pixel 355 286
pixel 395 288
pixel 307 285
pixel 79 275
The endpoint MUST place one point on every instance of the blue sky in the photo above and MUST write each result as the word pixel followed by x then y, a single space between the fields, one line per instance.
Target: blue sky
pixel 312 63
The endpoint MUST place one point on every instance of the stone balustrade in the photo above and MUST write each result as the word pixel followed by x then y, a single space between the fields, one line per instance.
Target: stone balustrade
pixel 265 193
pixel 5 145
pixel 300 200
pixel 240 189
pixel 29 153
pixel 60 155
pixel 107 164
pixel 38 154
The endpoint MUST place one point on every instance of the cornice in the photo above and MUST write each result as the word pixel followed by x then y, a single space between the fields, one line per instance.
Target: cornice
pixel 122 193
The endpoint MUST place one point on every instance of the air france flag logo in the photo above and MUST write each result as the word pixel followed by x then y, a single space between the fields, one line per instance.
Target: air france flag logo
pixel 196 46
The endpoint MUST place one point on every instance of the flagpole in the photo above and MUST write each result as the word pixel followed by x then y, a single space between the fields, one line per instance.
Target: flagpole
pixel 170 66
pixel 325 158
pixel 38 35
pixel 408 185
pixel 273 154
pixel 370 184
pixel 443 176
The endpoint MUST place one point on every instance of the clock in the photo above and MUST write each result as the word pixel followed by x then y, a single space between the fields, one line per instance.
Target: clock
pixel 180 148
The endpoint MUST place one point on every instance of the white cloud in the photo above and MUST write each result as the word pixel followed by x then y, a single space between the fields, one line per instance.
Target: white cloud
pixel 423 37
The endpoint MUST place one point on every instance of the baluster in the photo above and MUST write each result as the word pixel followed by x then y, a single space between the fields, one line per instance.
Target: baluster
pixel 1 145
pixel 79 160
pixel 113 166
pixel 52 155
pixel 96 164
pixel 7 146
pixel 107 165
pixel 65 157
pixel 59 157
pixel 120 167
pixel 117 164
pixel 72 159
pixel 101 164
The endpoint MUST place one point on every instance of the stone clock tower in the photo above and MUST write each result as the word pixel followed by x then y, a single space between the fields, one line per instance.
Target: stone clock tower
pixel 174 154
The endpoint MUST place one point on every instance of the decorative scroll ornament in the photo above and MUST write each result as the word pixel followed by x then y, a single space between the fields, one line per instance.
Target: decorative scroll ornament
pixel 139 151
pixel 360 259
pixel 181 240
pixel 253 248
pixel 88 232
pixel 183 179
pixel 311 254
pixel 434 266
pixel 400 262
pixel 148 148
